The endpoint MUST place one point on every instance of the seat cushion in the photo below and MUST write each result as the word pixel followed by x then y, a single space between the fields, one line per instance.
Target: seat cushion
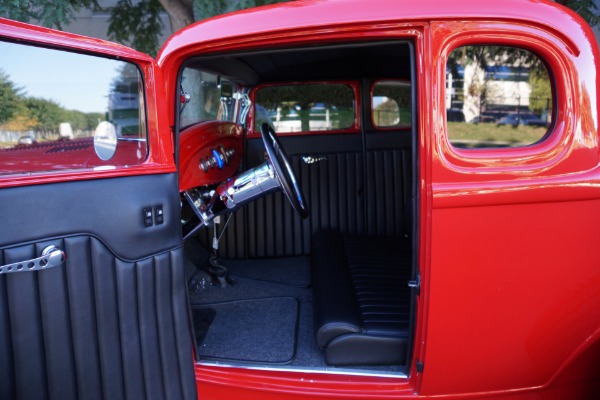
pixel 361 298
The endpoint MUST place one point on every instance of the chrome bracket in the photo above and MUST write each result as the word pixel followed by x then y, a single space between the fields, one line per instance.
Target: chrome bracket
pixel 51 257
pixel 416 284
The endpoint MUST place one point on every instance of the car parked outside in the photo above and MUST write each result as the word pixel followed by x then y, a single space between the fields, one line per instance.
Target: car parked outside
pixel 517 119
pixel 279 207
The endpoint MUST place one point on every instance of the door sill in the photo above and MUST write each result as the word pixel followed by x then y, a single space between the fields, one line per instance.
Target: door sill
pixel 306 370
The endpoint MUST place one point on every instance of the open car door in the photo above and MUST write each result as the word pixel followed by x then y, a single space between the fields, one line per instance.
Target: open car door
pixel 92 286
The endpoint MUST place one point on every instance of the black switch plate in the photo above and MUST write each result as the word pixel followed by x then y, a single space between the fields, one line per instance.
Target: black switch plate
pixel 147 214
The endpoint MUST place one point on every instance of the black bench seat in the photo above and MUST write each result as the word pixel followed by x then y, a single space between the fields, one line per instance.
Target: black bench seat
pixel 361 299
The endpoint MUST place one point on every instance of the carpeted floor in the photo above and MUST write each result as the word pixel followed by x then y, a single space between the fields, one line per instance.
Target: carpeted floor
pixel 290 270
pixel 258 330
pixel 251 321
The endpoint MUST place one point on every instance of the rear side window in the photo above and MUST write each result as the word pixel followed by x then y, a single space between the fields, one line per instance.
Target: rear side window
pixel 391 104
pixel 497 96
pixel 305 107
pixel 63 111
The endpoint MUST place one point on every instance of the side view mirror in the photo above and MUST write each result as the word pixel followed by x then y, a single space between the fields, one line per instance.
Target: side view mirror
pixel 105 140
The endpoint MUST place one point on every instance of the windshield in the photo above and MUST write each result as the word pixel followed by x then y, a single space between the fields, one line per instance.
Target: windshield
pixel 210 97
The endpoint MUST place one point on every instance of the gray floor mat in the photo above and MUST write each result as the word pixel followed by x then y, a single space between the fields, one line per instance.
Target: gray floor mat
pixel 258 330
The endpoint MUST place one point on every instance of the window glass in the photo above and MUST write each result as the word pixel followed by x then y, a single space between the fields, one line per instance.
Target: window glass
pixel 209 97
pixel 391 104
pixel 497 96
pixel 305 108
pixel 52 102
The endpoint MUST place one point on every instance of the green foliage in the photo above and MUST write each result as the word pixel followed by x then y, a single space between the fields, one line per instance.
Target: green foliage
pixel 209 8
pixel 9 98
pixel 93 119
pixel 137 23
pixel 48 113
pixel 467 135
pixel 485 56
pixel 77 119
pixel 540 98
pixel 21 113
pixel 50 13
pixel 586 8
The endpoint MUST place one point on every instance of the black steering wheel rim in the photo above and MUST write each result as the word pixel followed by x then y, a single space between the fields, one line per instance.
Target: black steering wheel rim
pixel 283 170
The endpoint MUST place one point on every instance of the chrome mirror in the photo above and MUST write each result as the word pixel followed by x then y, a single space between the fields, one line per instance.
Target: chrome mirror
pixel 105 140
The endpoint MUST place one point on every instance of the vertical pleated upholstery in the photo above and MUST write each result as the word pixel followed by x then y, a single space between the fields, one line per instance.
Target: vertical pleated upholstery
pixel 333 186
pixel 388 191
pixel 96 327
pixel 355 192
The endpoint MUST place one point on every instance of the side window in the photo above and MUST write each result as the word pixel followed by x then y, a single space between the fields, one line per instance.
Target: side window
pixel 55 105
pixel 497 96
pixel 391 104
pixel 305 107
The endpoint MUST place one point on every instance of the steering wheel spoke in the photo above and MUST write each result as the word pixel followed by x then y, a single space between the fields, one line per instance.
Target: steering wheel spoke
pixel 283 170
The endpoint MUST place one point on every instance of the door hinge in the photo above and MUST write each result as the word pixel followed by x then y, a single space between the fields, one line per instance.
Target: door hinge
pixel 420 366
pixel 415 284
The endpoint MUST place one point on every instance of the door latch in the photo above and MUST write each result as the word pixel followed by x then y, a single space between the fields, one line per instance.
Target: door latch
pixel 51 257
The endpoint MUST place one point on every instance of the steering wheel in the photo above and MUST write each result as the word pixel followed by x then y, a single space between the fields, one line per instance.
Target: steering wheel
pixel 283 170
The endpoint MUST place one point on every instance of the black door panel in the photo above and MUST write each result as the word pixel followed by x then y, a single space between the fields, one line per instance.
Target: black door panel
pixel 110 209
pixel 112 321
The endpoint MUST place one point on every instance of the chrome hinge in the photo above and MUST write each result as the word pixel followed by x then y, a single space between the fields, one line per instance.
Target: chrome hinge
pixel 415 284
pixel 420 366
pixel 51 256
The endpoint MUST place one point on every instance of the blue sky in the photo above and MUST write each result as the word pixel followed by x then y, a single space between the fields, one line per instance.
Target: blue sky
pixel 75 81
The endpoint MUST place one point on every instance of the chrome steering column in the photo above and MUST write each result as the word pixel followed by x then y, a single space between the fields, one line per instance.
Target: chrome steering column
pixel 232 194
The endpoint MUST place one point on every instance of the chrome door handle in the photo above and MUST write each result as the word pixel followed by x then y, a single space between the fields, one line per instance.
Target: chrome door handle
pixel 51 257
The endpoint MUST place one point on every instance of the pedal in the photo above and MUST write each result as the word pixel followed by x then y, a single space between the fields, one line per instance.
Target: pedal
pixel 219 272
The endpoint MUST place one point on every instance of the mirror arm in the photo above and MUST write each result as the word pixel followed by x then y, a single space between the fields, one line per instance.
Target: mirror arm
pixel 246 104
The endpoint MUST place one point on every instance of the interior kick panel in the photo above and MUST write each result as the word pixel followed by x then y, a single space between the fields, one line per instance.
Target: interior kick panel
pixel 124 213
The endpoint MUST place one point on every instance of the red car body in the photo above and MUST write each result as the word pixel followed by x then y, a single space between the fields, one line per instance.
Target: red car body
pixel 509 303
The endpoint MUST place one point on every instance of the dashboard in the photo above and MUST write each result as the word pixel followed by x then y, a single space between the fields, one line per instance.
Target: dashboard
pixel 210 153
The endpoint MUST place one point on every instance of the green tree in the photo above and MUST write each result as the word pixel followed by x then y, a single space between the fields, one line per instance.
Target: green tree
pixel 48 113
pixel 51 13
pixel 77 119
pixel 132 22
pixel 9 98
pixel 93 119
pixel 586 8
pixel 540 98
pixel 137 23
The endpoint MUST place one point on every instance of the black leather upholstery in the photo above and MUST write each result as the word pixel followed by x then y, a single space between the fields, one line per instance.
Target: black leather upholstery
pixel 119 330
pixel 31 212
pixel 113 321
pixel 353 186
pixel 361 298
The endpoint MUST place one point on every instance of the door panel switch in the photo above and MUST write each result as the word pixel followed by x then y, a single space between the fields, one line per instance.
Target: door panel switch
pixel 158 215
pixel 147 213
